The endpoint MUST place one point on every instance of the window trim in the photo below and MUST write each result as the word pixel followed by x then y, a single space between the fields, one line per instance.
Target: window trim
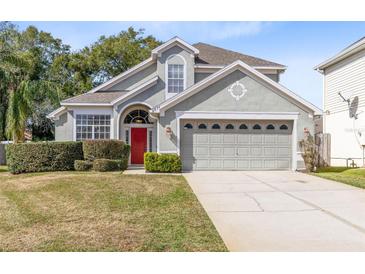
pixel 229 125
pixel 167 63
pixel 205 126
pixel 215 124
pixel 93 126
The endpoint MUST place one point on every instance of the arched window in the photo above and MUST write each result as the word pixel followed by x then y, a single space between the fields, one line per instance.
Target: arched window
pixel 284 127
pixel 229 126
pixel 137 116
pixel 188 126
pixel 216 126
pixel 243 126
pixel 202 126
pixel 256 127
pixel 270 127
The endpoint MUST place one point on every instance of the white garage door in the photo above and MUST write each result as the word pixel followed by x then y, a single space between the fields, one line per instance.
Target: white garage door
pixel 236 145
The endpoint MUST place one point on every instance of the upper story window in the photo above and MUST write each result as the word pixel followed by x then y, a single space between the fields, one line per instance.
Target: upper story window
pixel 90 126
pixel 175 78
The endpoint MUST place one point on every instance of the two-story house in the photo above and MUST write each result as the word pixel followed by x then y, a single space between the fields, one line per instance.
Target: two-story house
pixel 344 104
pixel 217 109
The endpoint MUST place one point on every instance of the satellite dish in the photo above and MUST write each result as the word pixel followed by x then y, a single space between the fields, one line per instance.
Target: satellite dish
pixel 353 107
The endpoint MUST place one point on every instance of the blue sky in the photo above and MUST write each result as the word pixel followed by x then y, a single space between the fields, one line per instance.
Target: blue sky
pixel 298 45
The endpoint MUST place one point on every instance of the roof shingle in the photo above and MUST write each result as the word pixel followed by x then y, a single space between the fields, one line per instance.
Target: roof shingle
pixel 212 55
pixel 97 97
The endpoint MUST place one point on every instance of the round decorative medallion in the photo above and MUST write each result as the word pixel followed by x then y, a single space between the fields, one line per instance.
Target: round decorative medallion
pixel 237 90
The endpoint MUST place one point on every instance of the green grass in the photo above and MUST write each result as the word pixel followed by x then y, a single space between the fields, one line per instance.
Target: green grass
pixel 350 176
pixel 3 168
pixel 90 211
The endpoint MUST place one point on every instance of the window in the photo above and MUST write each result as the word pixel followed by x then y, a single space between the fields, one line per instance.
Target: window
pixel 270 127
pixel 243 126
pixel 188 126
pixel 229 126
pixel 284 127
pixel 150 140
pixel 89 126
pixel 216 126
pixel 175 78
pixel 127 136
pixel 202 126
pixel 256 127
pixel 137 116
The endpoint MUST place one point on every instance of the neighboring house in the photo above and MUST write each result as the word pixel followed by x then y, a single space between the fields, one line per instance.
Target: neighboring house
pixel 344 104
pixel 217 109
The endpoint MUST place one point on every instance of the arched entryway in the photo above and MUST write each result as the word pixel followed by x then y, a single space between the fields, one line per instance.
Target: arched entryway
pixel 137 130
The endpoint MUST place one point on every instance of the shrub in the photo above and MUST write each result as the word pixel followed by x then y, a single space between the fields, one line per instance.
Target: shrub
pixel 81 165
pixel 43 156
pixel 106 165
pixel 105 149
pixel 168 163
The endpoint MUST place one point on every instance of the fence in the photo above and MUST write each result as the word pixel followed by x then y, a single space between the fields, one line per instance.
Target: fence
pixel 323 146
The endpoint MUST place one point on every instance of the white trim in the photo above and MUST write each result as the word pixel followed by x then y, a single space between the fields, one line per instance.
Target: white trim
pixel 54 115
pixel 136 91
pixel 210 68
pixel 122 112
pixel 236 115
pixel 169 44
pixel 225 71
pixel 124 75
pixel 93 112
pixel 294 146
pixel 171 94
pixel 222 115
pixel 87 104
pixel 356 47
pixel 168 151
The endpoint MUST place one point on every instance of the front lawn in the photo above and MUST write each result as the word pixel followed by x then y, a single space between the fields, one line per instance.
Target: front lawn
pixel 350 176
pixel 76 211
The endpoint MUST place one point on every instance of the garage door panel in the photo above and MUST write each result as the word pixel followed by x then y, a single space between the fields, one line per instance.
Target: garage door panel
pixel 270 151
pixel 202 151
pixel 243 151
pixel 237 149
pixel 284 151
pixel 243 164
pixel 202 138
pixel 229 151
pixel 215 138
pixel 228 138
pixel 270 139
pixel 243 138
pixel 229 164
pixel 270 164
pixel 256 151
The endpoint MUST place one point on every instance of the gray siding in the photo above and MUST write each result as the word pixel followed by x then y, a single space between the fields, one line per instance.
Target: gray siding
pixel 258 98
pixel 135 80
pixel 64 127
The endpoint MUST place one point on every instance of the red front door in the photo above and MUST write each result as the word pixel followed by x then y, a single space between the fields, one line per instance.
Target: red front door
pixel 138 145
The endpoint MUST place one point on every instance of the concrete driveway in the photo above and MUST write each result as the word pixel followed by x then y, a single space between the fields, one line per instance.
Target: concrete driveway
pixel 281 210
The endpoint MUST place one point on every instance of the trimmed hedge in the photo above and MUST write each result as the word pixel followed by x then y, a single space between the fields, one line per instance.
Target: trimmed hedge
pixel 169 163
pixel 81 165
pixel 105 149
pixel 103 165
pixel 43 156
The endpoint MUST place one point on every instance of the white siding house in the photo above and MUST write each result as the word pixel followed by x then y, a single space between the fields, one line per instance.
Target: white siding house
pixel 344 104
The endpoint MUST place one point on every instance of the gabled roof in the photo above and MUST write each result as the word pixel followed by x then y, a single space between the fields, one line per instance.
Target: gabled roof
pixel 346 52
pixel 108 98
pixel 212 55
pixel 224 72
pixel 171 43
